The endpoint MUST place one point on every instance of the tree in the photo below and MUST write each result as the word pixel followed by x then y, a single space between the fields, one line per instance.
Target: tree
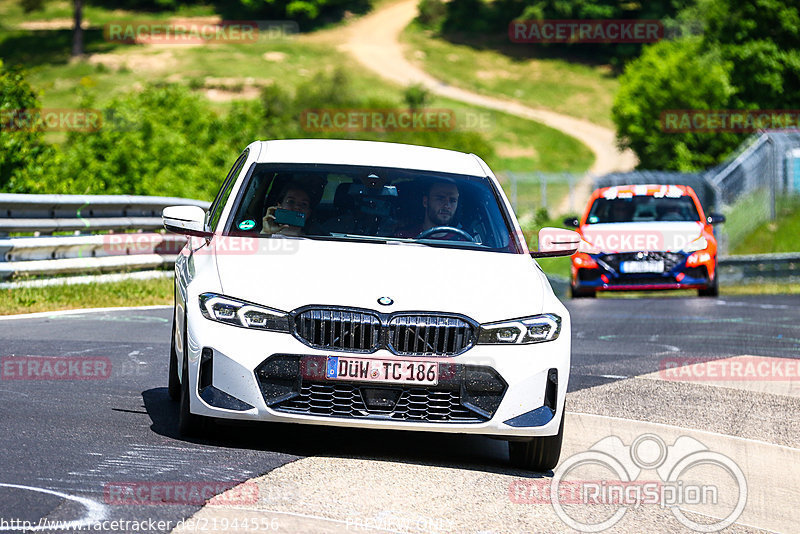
pixel 747 57
pixel 77 28
pixel 672 75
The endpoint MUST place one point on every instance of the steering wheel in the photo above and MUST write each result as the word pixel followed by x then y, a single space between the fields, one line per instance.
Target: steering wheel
pixel 439 229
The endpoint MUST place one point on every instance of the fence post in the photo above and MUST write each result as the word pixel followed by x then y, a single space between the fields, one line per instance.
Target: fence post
pixel 512 179
pixel 571 182
pixel 773 175
pixel 543 185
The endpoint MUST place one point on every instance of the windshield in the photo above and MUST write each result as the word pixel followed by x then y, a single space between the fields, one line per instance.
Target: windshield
pixel 371 204
pixel 642 208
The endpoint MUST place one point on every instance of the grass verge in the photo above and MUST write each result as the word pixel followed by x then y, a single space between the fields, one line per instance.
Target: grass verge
pixel 94 295
pixel 775 236
pixel 575 89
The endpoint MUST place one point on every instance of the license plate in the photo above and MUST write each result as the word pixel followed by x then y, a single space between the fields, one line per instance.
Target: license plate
pixel 386 371
pixel 642 267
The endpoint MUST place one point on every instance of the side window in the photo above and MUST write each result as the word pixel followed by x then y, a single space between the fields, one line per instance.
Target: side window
pixel 222 197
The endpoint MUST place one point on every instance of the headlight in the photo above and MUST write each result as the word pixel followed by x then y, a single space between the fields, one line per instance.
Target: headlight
pixel 522 331
pixel 240 313
pixel 698 244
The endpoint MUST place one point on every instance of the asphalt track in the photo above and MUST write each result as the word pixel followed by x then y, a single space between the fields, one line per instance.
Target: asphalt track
pixel 65 441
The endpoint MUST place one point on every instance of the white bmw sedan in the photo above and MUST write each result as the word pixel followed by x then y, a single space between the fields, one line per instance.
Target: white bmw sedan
pixel 372 285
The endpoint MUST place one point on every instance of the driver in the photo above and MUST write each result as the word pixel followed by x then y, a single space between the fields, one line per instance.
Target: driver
pixel 440 203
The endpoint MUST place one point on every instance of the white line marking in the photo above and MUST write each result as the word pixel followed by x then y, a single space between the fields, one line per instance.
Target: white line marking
pixel 613 376
pixel 84 310
pixel 95 512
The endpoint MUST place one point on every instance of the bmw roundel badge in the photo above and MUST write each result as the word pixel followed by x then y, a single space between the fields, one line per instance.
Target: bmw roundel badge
pixel 385 301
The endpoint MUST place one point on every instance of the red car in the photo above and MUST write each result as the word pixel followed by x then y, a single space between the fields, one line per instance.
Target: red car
pixel 645 237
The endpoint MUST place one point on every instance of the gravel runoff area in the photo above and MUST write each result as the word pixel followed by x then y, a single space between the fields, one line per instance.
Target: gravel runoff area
pixel 356 494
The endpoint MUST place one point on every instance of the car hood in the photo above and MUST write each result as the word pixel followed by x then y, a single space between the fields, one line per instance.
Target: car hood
pixel 290 273
pixel 639 236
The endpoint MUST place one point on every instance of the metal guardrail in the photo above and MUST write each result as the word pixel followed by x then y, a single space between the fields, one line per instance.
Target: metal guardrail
pixel 43 256
pixel 84 213
pixel 759 267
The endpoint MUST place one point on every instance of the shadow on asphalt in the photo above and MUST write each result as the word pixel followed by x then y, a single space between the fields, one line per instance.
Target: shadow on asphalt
pixel 458 451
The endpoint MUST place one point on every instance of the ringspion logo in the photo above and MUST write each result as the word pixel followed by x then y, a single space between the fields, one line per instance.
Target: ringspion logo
pixel 610 472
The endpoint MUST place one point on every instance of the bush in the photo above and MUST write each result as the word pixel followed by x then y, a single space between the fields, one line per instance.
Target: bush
pixel 431 13
pixel 417 96
pixel 162 141
pixel 22 148
pixel 165 141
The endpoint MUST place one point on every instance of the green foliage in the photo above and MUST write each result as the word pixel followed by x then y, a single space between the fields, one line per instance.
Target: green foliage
pixel 492 17
pixel 417 96
pixel 307 13
pixel 748 57
pixel 161 141
pixel 761 38
pixel 431 13
pixel 164 141
pixel 672 75
pixel 22 146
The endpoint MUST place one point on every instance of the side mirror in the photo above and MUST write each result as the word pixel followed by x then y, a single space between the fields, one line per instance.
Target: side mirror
pixel 715 218
pixel 186 220
pixel 555 242
pixel 572 221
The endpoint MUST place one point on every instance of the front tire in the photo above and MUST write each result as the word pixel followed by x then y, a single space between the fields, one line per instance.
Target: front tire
pixel 174 383
pixel 712 290
pixel 538 454
pixel 189 424
pixel 577 293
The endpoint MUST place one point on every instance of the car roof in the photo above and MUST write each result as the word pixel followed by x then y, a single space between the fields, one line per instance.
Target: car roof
pixel 650 190
pixel 369 153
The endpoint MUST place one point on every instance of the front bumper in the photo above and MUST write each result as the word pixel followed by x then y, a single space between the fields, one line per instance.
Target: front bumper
pixel 607 275
pixel 504 391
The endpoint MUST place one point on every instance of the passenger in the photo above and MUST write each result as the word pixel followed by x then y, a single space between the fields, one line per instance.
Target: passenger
pixel 293 197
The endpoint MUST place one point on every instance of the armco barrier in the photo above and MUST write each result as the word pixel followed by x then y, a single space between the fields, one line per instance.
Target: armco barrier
pixel 47 255
pixel 43 256
pixel 760 268
pixel 84 213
